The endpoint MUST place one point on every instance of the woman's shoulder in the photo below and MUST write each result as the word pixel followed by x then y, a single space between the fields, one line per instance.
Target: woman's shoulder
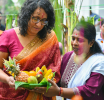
pixel 8 32
pixel 8 35
pixel 5 39
pixel 52 32
pixel 67 55
pixel 1 32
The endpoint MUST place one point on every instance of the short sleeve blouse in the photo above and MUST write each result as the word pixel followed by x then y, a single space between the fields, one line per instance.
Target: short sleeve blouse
pixel 10 43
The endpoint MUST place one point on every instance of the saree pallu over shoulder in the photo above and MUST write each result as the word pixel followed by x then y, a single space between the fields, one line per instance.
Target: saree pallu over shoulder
pixel 69 71
pixel 38 53
pixel 42 53
pixel 94 63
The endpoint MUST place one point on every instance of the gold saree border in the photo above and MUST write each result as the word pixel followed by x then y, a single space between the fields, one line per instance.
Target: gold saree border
pixel 29 52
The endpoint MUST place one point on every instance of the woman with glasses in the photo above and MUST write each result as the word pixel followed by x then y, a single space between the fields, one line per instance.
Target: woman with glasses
pixel 33 44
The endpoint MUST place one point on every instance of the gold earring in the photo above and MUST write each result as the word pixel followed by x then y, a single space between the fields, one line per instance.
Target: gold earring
pixel 91 46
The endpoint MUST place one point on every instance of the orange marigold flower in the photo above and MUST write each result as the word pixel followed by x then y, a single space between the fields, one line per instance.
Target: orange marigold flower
pixel 101 41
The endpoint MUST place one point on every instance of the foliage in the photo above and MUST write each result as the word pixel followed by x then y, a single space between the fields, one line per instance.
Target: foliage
pixel 11 12
pixel 0 7
pixel 10 8
pixel 21 1
pixel 89 19
pixel 58 19
pixel 10 2
pixel 9 21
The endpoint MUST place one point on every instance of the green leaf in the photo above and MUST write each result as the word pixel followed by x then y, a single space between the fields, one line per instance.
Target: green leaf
pixel 43 83
pixel 48 85
pixel 17 84
pixel 58 20
pixel 28 85
pixel 9 22
pixel 100 19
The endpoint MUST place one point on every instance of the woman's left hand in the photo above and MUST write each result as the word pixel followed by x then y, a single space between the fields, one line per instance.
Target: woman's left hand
pixel 52 91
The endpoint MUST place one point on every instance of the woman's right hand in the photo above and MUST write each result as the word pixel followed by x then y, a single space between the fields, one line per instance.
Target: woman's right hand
pixel 52 91
pixel 11 81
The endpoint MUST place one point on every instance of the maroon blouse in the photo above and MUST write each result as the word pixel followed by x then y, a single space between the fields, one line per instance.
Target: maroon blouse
pixel 93 89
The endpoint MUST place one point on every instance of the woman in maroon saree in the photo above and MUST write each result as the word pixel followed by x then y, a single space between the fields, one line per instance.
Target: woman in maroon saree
pixel 82 69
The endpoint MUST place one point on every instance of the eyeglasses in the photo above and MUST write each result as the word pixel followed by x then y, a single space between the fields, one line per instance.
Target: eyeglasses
pixel 36 20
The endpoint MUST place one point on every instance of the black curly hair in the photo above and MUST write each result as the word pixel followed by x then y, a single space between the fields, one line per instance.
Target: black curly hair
pixel 27 10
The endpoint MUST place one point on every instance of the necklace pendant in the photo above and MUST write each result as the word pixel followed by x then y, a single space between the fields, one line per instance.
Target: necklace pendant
pixel 32 44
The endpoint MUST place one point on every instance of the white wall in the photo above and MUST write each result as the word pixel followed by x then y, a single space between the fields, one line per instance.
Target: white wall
pixel 83 11
pixel 85 7
pixel 101 12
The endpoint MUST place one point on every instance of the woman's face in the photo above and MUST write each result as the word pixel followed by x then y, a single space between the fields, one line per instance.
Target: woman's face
pixel 102 28
pixel 79 43
pixel 37 20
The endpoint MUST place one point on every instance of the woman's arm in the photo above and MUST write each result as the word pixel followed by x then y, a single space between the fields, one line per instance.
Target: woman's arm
pixel 3 76
pixel 93 86
pixel 54 90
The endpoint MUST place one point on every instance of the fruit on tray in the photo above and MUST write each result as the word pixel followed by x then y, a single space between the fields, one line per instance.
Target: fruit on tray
pixel 31 73
pixel 14 69
pixel 33 77
pixel 32 80
pixel 22 76
pixel 39 77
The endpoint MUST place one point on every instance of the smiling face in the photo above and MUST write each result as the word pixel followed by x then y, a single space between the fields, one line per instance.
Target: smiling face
pixel 79 43
pixel 34 28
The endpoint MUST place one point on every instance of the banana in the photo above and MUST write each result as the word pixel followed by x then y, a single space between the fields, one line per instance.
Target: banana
pixel 44 69
pixel 48 72
pixel 37 69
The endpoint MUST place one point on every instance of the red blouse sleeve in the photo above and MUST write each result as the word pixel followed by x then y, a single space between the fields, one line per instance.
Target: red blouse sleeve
pixel 93 85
